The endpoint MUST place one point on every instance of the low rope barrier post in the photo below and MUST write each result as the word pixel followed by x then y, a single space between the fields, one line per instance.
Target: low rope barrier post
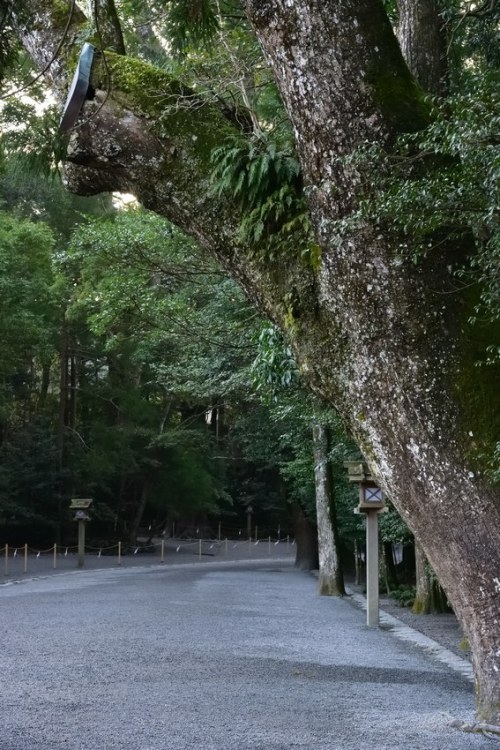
pixel 256 533
pixel 199 549
pixel 269 542
pixel 54 564
pixel 287 542
pixel 225 547
pixel 220 531
pixel 250 545
pixel 162 552
pixel 25 558
pixel 6 559
pixel 119 553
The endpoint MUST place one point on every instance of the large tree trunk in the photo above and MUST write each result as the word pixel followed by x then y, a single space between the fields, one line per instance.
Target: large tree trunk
pixel 422 40
pixel 331 580
pixel 306 540
pixel 429 597
pixel 392 323
pixel 376 335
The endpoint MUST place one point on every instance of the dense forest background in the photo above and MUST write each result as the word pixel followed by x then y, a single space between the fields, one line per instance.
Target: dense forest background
pixel 133 371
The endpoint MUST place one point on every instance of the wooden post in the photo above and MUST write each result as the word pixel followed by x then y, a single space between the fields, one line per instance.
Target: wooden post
pixel 162 553
pixel 256 533
pixel 357 577
pixel 25 558
pixel 269 545
pixel 372 593
pixel 250 545
pixel 220 531
pixel 54 562
pixel 6 559
pixel 225 546
pixel 119 553
pixel 199 549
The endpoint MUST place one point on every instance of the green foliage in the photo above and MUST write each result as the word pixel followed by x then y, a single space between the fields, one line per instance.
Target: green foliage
pixel 26 307
pixel 404 595
pixel 191 22
pixel 28 131
pixel 274 366
pixel 172 341
pixel 9 44
pixel 474 37
pixel 252 171
pixel 393 528
pixel 442 178
pixel 29 478
pixel 266 184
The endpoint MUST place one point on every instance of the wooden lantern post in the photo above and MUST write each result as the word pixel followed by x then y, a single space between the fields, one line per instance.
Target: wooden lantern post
pixel 371 503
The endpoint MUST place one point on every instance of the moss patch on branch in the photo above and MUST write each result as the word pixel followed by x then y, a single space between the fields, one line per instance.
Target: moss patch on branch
pixel 400 98
pixel 176 113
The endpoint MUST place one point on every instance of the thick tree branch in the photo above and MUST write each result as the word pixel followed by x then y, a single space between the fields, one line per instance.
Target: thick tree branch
pixel 107 25
pixel 49 32
pixel 421 34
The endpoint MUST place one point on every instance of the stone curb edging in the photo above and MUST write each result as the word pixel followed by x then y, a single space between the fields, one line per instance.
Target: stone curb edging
pixel 409 635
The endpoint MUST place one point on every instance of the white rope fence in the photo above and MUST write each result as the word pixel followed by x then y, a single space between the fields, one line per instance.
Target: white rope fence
pixel 22 559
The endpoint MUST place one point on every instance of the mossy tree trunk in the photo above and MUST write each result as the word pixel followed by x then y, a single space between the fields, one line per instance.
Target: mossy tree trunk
pixel 306 540
pixel 331 579
pixel 430 597
pixel 375 334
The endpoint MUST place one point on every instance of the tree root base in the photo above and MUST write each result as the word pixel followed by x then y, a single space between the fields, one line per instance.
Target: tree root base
pixel 489 730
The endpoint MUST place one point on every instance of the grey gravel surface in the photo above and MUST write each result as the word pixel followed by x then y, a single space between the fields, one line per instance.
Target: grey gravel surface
pixel 242 656
pixel 443 628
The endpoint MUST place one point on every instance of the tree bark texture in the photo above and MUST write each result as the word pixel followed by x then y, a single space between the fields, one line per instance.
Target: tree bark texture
pixel 429 597
pixel 376 335
pixel 331 581
pixel 306 540
pixel 422 40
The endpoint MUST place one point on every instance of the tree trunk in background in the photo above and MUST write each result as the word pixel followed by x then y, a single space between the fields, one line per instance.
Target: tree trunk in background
pixel 44 385
pixel 423 44
pixel 391 576
pixel 141 507
pixel 331 580
pixel 63 396
pixel 422 604
pixel 357 564
pixel 430 597
pixel 306 540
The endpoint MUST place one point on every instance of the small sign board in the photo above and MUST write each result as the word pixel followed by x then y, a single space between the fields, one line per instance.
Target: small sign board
pixel 80 503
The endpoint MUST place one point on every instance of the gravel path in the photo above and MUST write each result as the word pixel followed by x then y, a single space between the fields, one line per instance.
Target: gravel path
pixel 242 656
pixel 443 628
